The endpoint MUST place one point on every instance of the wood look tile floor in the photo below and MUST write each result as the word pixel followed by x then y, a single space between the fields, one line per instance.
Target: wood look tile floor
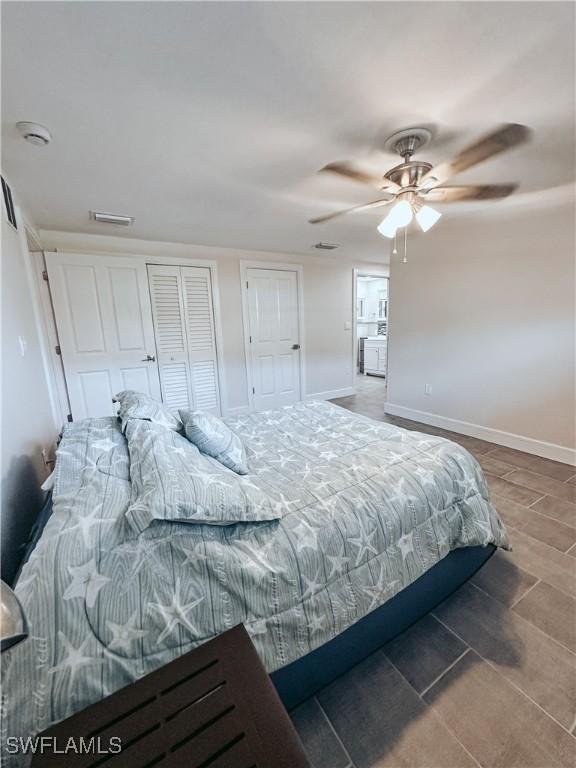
pixel 489 677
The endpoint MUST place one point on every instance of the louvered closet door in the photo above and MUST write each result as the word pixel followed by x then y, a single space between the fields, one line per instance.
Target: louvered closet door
pixel 185 340
pixel 197 292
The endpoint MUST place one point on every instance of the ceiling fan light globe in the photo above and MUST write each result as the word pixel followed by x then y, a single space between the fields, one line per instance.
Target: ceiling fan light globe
pixel 427 217
pixel 387 228
pixel 400 216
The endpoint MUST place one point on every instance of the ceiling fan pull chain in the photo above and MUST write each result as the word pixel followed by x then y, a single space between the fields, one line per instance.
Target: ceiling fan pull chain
pixel 405 259
pixel 395 249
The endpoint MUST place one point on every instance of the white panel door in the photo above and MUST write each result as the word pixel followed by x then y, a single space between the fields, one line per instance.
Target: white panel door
pixel 274 337
pixel 185 338
pixel 102 309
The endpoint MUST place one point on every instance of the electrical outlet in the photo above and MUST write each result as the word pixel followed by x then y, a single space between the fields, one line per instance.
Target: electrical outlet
pixel 427 389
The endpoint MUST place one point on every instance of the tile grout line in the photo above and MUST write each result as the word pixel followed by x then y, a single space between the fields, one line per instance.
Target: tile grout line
pixel 538 474
pixel 529 506
pixel 441 675
pixel 432 708
pixel 507 679
pixel 542 578
pixel 519 468
pixel 522 596
pixel 509 606
pixel 334 731
pixel 543 517
pixel 555 520
pixel 521 618
pixel 491 450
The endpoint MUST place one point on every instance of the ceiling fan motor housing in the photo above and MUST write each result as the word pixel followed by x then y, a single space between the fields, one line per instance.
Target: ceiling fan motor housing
pixel 408 174
pixel 405 143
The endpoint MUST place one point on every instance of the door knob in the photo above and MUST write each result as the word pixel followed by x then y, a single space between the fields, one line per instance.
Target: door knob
pixel 295 346
pixel 149 359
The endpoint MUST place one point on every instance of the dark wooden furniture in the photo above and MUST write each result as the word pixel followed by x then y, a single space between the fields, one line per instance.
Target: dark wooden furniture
pixel 214 707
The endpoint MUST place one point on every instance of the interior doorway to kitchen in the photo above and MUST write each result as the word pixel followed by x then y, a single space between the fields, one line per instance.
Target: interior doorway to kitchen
pixel 370 324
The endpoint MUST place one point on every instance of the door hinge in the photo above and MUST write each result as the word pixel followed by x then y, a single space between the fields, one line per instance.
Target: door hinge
pixel 45 276
pixel 246 283
pixel 69 417
pixel 253 391
pixel 57 349
pixel 250 339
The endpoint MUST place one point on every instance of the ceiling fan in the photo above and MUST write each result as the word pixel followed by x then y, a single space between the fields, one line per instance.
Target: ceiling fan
pixel 414 183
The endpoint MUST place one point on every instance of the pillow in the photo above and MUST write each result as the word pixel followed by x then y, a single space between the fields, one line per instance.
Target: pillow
pixel 137 405
pixel 172 480
pixel 213 437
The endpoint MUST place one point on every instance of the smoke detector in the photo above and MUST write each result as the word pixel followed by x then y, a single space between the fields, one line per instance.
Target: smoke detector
pixel 111 218
pixel 35 133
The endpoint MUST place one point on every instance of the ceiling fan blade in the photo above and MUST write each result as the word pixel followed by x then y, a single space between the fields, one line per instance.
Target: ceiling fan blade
pixel 355 209
pixel 506 137
pixel 471 192
pixel 349 172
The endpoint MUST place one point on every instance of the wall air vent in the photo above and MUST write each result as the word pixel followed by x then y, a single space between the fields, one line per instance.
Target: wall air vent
pixel 111 218
pixel 9 204
pixel 326 246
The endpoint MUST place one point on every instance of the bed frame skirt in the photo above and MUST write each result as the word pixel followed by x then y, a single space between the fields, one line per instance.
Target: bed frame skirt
pixel 305 676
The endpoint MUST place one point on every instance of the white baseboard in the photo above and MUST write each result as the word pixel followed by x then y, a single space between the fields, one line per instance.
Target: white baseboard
pixel 519 442
pixel 331 394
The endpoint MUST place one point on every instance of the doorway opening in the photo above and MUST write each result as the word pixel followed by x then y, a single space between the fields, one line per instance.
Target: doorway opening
pixel 371 332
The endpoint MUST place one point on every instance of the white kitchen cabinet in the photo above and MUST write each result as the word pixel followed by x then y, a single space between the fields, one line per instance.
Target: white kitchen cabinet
pixel 375 356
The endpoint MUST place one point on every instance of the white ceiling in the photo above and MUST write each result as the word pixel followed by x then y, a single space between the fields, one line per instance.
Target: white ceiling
pixel 208 121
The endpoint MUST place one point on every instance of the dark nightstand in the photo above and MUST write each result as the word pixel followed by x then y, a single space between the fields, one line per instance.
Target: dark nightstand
pixel 214 707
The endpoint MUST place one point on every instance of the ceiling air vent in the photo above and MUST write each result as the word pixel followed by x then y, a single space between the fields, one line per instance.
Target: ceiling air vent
pixel 111 218
pixel 326 246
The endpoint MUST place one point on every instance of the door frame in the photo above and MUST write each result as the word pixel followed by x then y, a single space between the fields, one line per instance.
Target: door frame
pixel 180 261
pixel 245 265
pixel 356 273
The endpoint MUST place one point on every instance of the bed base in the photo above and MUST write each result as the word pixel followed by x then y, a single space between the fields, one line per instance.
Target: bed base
pixel 304 677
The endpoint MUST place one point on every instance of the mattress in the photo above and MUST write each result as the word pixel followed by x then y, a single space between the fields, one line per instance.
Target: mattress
pixel 366 507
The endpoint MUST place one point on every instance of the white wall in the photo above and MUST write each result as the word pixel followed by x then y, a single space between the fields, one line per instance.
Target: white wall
pixel 484 311
pixel 328 292
pixel 28 422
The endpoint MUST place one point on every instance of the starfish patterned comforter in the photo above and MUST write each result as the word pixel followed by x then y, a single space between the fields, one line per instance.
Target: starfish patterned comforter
pixel 367 508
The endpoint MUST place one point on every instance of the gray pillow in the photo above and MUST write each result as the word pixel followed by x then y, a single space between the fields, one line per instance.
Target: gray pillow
pixel 137 405
pixel 172 480
pixel 212 436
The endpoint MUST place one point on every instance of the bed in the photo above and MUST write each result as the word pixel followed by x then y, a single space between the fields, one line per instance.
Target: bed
pixel 377 525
